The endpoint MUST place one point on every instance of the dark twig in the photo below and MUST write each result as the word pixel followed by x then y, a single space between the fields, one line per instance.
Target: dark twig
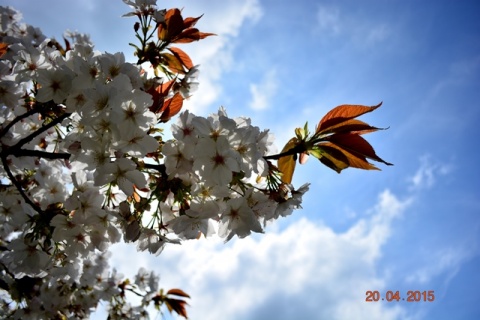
pixel 159 167
pixel 17 119
pixel 29 138
pixel 297 149
pixel 40 154
pixel 18 186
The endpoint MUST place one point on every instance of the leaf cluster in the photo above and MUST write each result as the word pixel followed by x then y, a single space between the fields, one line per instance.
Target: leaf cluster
pixel 337 142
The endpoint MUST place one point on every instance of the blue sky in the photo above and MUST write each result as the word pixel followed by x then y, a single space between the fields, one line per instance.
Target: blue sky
pixel 413 226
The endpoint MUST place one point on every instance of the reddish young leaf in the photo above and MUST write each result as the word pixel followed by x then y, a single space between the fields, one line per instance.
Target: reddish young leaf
pixel 165 87
pixel 171 107
pixel 162 31
pixel 342 113
pixel 182 57
pixel 158 95
pixel 68 46
pixel 174 21
pixel 190 35
pixel 190 22
pixel 353 160
pixel 352 126
pixel 286 164
pixel 332 157
pixel 178 306
pixel 136 196
pixel 3 48
pixel 172 62
pixel 357 145
pixel 178 292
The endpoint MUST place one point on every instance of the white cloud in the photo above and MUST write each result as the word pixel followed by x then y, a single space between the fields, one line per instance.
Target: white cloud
pixel 445 261
pixel 376 34
pixel 225 18
pixel 264 91
pixel 328 19
pixel 361 31
pixel 427 173
pixel 307 269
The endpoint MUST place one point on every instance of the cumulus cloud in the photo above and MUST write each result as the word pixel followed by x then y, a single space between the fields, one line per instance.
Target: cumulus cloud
pixel 264 91
pixel 225 18
pixel 306 271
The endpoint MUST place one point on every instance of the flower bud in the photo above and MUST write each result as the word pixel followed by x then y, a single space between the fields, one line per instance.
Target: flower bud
pixel 303 158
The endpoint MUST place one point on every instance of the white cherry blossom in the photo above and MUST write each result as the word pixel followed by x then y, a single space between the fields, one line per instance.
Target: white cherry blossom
pixel 238 219
pixel 85 163
pixel 123 172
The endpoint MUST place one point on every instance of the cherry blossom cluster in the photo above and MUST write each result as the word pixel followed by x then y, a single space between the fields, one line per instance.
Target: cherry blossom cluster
pixel 84 165
pixel 221 160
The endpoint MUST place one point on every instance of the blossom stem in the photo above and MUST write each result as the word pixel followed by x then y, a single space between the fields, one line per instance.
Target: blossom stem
pixel 135 292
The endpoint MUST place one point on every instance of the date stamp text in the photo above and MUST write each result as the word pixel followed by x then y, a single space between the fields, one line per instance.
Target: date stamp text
pixel 412 296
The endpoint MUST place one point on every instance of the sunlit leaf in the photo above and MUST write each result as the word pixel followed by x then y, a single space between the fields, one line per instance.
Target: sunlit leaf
pixel 315 152
pixel 341 114
pixel 136 196
pixel 165 87
pixel 172 26
pixel 171 107
pixel 178 306
pixel 190 35
pixel 286 164
pixel 3 48
pixel 352 159
pixel 68 47
pixel 162 32
pixel 159 93
pixel 178 292
pixel 172 62
pixel 190 22
pixel 182 57
pixel 332 157
pixel 301 133
pixel 351 125
pixel 357 145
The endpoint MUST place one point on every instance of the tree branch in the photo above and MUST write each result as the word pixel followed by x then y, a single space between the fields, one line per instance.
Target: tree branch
pixel 40 154
pixel 17 119
pixel 18 186
pixel 38 108
pixel 29 138
pixel 159 167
